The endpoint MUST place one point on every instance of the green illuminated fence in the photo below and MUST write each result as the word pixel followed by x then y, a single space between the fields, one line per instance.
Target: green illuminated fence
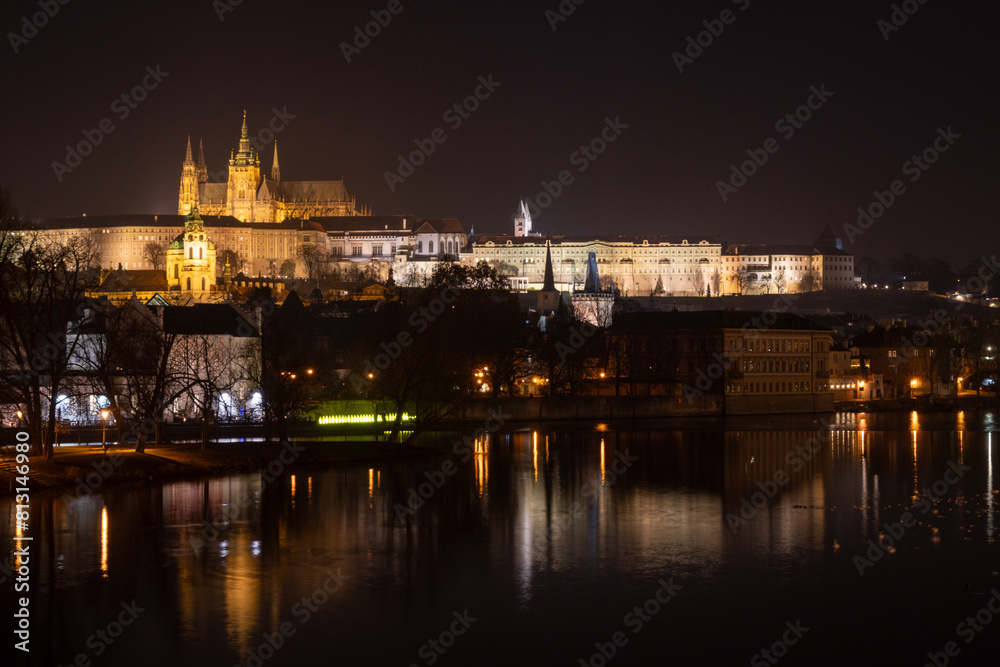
pixel 361 419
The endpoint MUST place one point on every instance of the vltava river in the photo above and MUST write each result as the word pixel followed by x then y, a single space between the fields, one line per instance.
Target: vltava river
pixel 870 540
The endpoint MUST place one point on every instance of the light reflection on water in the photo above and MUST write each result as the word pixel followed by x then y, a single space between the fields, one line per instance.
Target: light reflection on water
pixel 550 534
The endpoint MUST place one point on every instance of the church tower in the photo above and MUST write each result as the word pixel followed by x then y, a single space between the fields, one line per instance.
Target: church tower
pixel 275 170
pixel 191 259
pixel 548 296
pixel 522 221
pixel 188 197
pixel 244 179
pixel 201 169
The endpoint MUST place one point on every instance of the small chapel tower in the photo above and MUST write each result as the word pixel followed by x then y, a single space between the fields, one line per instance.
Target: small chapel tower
pixel 191 259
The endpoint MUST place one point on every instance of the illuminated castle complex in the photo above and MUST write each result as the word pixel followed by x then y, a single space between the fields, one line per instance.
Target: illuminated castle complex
pixel 250 197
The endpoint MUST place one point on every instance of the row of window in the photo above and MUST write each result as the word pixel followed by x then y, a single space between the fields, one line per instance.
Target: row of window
pixel 774 345
pixel 776 365
pixel 772 387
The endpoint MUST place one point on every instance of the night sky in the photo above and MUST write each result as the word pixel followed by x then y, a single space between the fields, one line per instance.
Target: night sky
pixel 557 88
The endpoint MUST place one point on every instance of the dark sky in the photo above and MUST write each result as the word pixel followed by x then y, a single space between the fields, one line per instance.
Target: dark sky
pixel 557 88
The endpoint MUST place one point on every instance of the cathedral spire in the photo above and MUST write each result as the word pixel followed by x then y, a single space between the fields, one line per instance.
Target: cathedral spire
pixel 244 154
pixel 201 168
pixel 187 156
pixel 275 170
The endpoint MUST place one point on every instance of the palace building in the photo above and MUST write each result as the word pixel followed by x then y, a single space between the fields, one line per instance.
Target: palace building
pixel 667 265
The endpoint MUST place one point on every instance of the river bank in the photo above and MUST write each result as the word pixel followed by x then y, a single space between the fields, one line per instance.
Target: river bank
pixel 83 469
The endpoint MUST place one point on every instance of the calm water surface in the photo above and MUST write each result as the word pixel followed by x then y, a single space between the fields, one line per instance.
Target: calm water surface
pixel 539 546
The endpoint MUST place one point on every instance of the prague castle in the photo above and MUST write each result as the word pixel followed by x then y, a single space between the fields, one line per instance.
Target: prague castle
pixel 266 225
pixel 250 197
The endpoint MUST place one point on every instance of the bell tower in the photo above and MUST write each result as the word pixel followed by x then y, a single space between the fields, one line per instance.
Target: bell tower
pixel 244 179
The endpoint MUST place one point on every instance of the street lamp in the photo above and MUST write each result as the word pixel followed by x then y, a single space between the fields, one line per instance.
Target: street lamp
pixel 104 431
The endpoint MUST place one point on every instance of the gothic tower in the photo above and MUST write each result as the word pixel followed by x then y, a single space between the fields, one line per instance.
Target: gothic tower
pixel 244 179
pixel 275 171
pixel 188 197
pixel 201 168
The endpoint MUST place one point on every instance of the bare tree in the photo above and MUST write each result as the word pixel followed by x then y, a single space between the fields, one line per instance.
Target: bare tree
pixel 210 361
pixel 312 259
pixel 742 279
pixel 128 357
pixel 810 282
pixel 154 254
pixel 780 280
pixel 42 287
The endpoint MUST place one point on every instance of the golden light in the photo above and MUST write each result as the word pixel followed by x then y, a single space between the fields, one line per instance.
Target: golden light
pixel 602 375
pixel 104 542
pixel 20 414
pixel 602 462
pixel 914 383
pixel 371 375
pixel 486 368
pixel 292 376
pixel 310 371
pixel 104 414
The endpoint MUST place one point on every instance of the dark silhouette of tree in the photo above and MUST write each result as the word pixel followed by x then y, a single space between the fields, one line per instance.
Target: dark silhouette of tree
pixel 42 288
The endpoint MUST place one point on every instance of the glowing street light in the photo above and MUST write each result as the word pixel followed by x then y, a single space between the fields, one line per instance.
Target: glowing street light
pixel 104 431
